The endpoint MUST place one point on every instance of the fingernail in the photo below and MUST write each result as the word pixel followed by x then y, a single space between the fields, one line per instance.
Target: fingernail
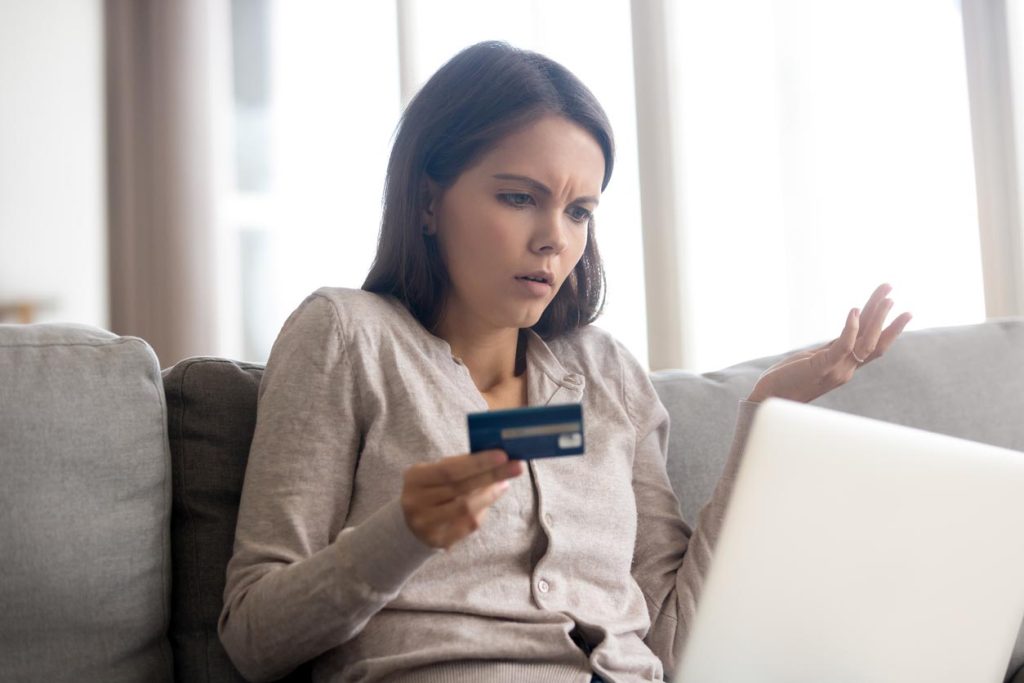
pixel 498 457
pixel 502 485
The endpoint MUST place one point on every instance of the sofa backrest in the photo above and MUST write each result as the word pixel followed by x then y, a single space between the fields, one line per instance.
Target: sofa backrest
pixel 84 507
pixel 965 381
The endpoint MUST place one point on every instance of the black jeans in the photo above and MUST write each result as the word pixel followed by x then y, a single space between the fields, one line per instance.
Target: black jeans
pixel 580 641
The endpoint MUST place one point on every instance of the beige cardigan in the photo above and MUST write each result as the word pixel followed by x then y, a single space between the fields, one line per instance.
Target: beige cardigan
pixel 324 566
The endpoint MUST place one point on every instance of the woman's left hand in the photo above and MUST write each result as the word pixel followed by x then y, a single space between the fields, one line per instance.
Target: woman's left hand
pixel 809 374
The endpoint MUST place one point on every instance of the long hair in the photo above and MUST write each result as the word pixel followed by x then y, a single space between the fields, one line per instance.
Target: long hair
pixel 479 96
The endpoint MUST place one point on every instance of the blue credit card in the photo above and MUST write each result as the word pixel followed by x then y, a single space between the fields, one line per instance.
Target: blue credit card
pixel 526 433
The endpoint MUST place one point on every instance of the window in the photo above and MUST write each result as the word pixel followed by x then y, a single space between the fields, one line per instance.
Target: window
pixel 316 102
pixel 825 149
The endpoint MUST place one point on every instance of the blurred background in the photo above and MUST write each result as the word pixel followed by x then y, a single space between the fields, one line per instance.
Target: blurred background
pixel 189 171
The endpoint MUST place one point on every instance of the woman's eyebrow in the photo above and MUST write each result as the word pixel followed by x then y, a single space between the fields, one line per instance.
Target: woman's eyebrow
pixel 539 186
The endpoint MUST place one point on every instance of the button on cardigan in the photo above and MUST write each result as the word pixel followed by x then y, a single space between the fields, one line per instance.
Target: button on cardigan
pixel 588 549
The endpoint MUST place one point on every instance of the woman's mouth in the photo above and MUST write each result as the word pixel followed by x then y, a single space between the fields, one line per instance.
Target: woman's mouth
pixel 535 285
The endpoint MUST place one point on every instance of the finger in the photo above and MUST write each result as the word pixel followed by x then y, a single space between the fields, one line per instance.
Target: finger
pixel 435 495
pixel 867 340
pixel 509 470
pixel 840 349
pixel 464 526
pixel 870 310
pixel 469 504
pixel 455 468
pixel 458 517
pixel 877 300
pixel 871 307
pixel 889 335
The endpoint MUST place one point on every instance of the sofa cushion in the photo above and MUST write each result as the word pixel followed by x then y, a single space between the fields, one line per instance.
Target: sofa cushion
pixel 965 381
pixel 211 417
pixel 84 507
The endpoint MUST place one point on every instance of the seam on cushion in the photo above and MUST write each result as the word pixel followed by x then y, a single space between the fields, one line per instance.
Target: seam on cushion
pixel 166 560
pixel 99 342
pixel 244 365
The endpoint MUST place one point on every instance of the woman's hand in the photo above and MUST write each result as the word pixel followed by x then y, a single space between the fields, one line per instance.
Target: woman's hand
pixel 446 500
pixel 809 374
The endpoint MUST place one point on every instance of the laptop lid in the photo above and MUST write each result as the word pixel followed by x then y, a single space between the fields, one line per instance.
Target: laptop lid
pixel 858 550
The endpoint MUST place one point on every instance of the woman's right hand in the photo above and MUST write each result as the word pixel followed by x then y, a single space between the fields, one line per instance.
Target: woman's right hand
pixel 447 500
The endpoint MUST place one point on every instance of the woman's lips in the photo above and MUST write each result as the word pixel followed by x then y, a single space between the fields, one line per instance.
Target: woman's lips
pixel 534 288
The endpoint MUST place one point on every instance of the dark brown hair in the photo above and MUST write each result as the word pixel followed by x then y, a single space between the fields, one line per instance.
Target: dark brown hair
pixel 479 96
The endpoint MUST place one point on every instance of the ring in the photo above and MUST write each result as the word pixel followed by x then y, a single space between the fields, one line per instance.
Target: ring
pixel 856 357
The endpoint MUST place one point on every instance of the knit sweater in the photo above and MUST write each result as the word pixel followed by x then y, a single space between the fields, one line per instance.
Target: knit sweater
pixel 583 565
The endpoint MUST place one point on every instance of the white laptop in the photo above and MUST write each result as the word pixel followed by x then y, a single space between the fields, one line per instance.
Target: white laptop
pixel 857 551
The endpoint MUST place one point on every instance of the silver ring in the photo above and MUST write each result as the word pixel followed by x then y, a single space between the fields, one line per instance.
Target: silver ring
pixel 856 357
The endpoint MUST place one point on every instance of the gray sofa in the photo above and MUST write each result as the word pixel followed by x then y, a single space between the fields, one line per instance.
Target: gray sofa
pixel 119 483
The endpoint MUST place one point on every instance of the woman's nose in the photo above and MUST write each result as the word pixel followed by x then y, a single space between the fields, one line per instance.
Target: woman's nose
pixel 549 236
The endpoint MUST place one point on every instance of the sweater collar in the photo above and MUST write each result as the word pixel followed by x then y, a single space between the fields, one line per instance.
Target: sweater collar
pixel 547 380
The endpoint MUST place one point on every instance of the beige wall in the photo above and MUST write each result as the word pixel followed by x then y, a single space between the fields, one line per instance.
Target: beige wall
pixel 52 170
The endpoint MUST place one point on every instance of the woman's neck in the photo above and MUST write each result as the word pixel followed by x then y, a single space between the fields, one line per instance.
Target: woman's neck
pixel 488 353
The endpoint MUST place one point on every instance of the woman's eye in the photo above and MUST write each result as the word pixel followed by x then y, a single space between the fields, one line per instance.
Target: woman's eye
pixel 517 198
pixel 579 214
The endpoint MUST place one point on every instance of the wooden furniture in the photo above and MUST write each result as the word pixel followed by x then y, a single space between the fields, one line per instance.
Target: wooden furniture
pixel 21 311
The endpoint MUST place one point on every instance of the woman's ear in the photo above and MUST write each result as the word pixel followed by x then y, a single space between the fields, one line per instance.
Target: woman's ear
pixel 430 193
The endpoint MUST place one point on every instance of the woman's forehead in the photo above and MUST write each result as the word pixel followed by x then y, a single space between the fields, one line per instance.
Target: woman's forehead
pixel 553 151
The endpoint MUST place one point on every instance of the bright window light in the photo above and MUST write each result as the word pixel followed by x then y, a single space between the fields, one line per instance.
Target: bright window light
pixel 826 149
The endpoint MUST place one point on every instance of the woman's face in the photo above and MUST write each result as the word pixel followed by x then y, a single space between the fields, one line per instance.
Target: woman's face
pixel 518 215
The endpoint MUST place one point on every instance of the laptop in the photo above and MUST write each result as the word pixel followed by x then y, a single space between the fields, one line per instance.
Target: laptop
pixel 858 551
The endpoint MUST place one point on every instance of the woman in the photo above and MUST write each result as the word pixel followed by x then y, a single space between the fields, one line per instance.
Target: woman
pixel 367 538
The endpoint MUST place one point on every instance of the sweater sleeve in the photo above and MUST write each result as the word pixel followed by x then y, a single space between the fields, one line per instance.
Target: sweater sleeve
pixel 670 560
pixel 299 583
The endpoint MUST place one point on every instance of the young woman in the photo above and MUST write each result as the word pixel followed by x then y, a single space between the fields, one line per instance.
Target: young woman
pixel 367 538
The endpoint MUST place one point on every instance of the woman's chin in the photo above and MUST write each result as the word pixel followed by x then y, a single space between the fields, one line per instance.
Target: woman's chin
pixel 526 317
